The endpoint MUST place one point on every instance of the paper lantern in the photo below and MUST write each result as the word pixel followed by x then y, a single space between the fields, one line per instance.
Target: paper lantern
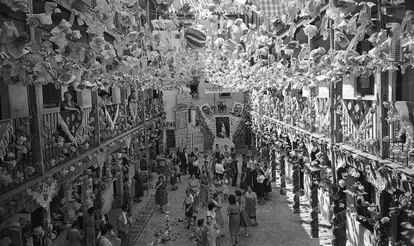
pixel 195 38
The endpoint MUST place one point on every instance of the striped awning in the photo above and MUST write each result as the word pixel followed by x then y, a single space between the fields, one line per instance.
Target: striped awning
pixel 217 7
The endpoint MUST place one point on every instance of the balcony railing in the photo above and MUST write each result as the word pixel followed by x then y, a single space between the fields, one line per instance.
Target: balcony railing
pixel 359 122
pixel 67 134
pixel 16 162
pixel 399 147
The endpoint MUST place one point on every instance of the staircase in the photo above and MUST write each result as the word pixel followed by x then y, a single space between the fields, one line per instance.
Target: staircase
pixel 142 219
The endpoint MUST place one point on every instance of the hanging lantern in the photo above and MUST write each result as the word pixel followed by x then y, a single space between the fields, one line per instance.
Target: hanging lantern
pixel 195 38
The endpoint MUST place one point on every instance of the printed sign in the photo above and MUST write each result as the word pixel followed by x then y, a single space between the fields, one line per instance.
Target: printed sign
pixel 214 89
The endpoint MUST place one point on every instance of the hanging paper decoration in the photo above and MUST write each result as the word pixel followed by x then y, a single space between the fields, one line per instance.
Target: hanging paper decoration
pixel 44 192
pixel 6 131
pixel 357 110
pixel 111 120
pixel 195 38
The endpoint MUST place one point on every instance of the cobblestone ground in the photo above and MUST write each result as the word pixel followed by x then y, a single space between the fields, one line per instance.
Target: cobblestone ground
pixel 277 224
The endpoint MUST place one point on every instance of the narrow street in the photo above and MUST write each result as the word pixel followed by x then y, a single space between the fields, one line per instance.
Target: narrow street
pixel 277 225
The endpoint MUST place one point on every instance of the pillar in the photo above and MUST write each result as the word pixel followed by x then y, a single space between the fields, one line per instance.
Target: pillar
pixel 314 202
pixel 282 163
pixel 296 187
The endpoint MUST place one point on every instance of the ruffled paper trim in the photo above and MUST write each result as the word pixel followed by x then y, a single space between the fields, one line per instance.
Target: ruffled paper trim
pixel 5 139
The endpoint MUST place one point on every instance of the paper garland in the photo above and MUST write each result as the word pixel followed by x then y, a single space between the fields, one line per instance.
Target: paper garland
pixel 7 131
pixel 112 121
pixel 44 192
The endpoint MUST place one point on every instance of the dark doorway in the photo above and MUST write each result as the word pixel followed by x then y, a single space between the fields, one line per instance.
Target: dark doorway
pixel 170 138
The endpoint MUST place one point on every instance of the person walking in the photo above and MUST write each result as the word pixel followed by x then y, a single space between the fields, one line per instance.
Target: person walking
pixel 217 209
pixel 251 201
pixel 205 181
pixel 244 218
pixel 234 171
pixel 233 211
pixel 188 207
pixel 74 235
pixel 183 156
pixel 161 195
pixel 124 226
pixel 173 176
pixel 194 188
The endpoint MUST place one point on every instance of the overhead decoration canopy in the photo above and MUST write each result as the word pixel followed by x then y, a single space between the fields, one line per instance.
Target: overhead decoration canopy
pixel 272 9
pixel 215 6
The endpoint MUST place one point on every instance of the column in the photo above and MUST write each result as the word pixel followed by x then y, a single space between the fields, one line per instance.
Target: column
pixel 282 164
pixel 296 186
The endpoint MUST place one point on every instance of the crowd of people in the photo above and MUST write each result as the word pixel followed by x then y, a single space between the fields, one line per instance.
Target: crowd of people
pixel 208 186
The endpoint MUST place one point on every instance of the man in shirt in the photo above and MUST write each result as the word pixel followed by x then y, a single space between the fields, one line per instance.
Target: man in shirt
pixel 219 168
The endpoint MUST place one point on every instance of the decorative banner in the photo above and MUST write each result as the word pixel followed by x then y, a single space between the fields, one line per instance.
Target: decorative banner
pixel 222 127
pixel 357 110
pixel 214 89
pixel 237 109
pixel 208 113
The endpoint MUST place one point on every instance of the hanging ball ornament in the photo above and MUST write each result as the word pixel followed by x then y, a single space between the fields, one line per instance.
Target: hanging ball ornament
pixel 195 38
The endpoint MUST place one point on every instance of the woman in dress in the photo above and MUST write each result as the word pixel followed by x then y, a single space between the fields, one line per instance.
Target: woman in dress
pixel 212 231
pixel 233 211
pixel 188 207
pixel 194 188
pixel 205 180
pixel 74 235
pixel 161 195
pixel 260 186
pixel 251 201
pixel 217 209
pixel 244 218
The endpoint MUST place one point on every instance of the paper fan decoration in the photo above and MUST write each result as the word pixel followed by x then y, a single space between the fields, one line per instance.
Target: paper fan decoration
pixel 195 38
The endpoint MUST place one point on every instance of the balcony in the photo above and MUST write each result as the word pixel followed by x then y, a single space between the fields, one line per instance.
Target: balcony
pixel 64 136
pixel 67 134
pixel 16 155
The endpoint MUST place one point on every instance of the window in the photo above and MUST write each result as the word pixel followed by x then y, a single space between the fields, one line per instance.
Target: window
pixel 51 96
pixel 194 91
pixel 365 84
